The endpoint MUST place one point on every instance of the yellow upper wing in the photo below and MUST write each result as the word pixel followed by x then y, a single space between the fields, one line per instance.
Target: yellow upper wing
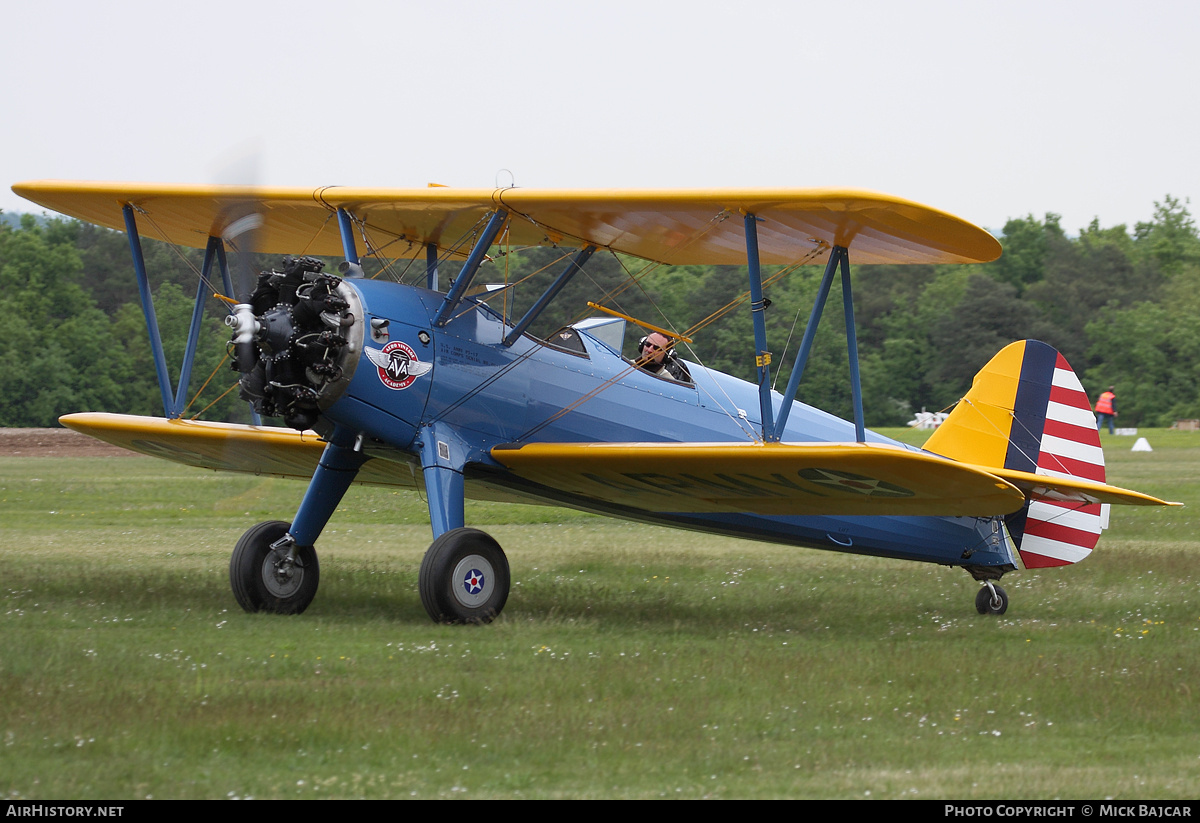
pixel 675 227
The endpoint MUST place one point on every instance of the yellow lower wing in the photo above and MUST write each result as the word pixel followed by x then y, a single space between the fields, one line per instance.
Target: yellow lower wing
pixel 226 446
pixel 771 478
pixel 765 478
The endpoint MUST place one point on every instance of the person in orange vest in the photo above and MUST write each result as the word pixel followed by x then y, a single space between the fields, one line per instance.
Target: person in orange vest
pixel 1106 409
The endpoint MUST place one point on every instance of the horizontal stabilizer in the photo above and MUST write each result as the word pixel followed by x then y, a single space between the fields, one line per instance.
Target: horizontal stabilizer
pixel 1066 489
pixel 765 478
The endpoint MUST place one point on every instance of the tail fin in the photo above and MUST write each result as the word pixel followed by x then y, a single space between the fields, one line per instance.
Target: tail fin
pixel 1027 411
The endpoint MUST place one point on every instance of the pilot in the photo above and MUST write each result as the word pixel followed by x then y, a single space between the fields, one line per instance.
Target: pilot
pixel 655 355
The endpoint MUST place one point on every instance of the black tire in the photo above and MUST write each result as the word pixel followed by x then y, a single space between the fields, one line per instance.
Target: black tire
pixel 986 604
pixel 257 585
pixel 464 578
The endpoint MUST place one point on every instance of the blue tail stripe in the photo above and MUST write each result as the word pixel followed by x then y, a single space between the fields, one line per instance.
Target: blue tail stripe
pixel 1029 408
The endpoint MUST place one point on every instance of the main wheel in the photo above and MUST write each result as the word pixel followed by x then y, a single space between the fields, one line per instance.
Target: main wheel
pixel 464 578
pixel 987 603
pixel 264 581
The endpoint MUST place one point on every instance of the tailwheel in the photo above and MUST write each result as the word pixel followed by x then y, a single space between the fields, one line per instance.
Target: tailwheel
pixel 270 573
pixel 464 577
pixel 991 599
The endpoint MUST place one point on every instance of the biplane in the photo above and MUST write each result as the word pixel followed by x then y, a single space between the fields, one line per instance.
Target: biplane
pixel 429 386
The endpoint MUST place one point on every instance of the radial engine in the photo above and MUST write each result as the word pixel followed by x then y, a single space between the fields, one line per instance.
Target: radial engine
pixel 296 341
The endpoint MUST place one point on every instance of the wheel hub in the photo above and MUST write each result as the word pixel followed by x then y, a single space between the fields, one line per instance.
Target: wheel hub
pixel 995 602
pixel 282 577
pixel 473 579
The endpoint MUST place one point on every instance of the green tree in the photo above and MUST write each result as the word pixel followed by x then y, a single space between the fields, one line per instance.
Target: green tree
pixel 1083 276
pixel 1151 353
pixel 1026 243
pixel 1170 239
pixel 173 309
pixel 987 318
pixel 57 350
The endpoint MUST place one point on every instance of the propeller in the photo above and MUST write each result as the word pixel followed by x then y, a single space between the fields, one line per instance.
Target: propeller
pixel 242 226
pixel 239 235
pixel 292 325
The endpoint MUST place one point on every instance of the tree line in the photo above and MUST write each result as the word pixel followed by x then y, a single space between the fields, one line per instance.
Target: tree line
pixel 1121 304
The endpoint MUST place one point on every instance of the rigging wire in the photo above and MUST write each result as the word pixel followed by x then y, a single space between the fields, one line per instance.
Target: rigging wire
pixel 712 318
pixel 216 292
pixel 178 252
pixel 204 385
pixel 611 295
pixel 214 402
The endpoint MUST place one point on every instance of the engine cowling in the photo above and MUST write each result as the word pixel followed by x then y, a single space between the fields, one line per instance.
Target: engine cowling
pixel 296 341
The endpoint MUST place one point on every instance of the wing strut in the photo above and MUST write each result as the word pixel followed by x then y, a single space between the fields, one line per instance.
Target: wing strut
pixel 346 229
pixel 810 333
pixel 470 267
pixel 156 347
pixel 762 357
pixel 852 349
pixel 839 258
pixel 431 266
pixel 576 265
pixel 214 252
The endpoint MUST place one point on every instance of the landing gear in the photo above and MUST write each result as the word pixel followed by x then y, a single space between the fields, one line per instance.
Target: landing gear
pixel 464 577
pixel 269 573
pixel 991 599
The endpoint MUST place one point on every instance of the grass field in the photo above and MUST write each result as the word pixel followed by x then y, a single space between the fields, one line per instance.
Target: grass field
pixel 630 661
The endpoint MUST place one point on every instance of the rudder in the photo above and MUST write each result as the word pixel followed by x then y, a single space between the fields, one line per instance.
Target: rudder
pixel 1027 411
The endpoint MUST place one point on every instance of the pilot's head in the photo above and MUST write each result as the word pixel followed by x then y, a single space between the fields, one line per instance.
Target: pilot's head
pixel 654 347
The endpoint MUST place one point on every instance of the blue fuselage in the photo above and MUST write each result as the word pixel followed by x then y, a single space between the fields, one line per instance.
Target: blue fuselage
pixel 481 393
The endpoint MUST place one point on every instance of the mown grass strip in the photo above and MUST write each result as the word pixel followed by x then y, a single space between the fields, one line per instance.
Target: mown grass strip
pixel 630 662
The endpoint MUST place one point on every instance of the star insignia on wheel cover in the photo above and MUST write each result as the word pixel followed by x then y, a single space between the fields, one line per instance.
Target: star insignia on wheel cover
pixel 855 483
pixel 473 582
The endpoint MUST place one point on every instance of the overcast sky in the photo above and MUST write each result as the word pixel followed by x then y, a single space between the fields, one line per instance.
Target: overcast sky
pixel 989 110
